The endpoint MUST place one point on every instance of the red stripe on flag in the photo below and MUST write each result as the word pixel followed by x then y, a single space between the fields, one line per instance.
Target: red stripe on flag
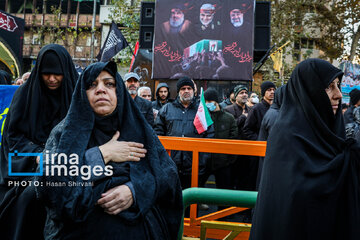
pixel 198 125
pixel 133 57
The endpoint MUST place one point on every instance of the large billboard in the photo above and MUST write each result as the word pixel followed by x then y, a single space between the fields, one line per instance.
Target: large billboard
pixel 350 80
pixel 204 39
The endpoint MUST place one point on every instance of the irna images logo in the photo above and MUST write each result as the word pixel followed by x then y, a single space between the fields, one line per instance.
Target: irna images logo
pixel 54 164
pixel 12 159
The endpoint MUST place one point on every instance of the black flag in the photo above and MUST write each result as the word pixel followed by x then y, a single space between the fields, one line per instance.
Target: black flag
pixel 114 43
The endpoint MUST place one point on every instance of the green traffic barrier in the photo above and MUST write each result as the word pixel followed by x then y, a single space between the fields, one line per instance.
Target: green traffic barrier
pixel 214 196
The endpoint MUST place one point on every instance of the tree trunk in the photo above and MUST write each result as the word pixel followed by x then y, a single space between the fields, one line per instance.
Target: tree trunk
pixel 76 27
pixel 68 23
pixel 24 8
pixel 354 44
pixel 7 6
pixel 68 13
pixel 33 23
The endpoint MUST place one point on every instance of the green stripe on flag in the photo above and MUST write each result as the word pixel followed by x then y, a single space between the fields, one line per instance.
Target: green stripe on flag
pixel 209 121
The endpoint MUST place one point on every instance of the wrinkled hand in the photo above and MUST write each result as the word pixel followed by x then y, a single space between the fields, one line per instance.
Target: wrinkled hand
pixel 121 151
pixel 116 199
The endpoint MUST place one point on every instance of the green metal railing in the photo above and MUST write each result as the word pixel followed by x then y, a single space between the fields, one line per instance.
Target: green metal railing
pixel 213 196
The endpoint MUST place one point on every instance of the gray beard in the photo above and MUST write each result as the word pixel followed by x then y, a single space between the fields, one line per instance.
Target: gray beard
pixel 132 92
pixel 237 24
pixel 176 23
pixel 186 100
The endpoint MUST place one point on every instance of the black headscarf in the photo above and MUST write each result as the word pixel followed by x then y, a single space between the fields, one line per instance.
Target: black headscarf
pixel 156 184
pixel 309 186
pixel 33 112
pixel 5 78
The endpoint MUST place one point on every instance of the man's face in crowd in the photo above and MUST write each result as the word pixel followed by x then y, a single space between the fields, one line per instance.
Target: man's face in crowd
pixel 186 94
pixel 242 97
pixel 206 17
pixel 132 85
pixel 176 17
pixel 236 17
pixel 163 93
pixel 269 94
pixel 146 94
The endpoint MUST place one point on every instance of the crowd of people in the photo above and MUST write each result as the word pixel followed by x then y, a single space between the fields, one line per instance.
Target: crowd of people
pixel 309 178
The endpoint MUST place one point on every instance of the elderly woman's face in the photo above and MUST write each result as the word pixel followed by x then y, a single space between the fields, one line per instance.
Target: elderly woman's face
pixel 334 94
pixel 102 94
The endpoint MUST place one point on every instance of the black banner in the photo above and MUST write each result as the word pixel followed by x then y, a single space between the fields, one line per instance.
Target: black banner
pixel 12 35
pixel 113 44
pixel 204 39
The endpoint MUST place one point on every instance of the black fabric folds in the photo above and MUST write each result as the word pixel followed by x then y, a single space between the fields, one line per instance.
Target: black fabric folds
pixel 5 78
pixel 72 212
pixel 309 186
pixel 33 112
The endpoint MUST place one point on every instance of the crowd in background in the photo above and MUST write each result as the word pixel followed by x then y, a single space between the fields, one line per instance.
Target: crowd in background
pixel 243 115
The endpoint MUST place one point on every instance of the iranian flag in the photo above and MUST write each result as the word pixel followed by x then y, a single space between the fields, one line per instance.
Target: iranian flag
pixel 202 119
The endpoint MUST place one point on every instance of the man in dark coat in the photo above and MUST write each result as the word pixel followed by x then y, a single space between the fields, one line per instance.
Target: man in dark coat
pixel 253 122
pixel 176 119
pixel 225 128
pixel 132 84
pixel 239 109
pixel 162 96
pixel 269 121
pixel 354 103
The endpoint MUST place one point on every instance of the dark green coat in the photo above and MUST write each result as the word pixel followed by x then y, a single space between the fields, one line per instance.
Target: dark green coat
pixel 225 128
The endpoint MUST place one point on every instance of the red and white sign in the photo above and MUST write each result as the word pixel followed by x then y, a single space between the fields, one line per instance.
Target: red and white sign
pixel 7 22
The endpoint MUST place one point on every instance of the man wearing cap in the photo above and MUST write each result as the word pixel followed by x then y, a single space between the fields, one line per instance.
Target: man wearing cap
pixel 176 119
pixel 225 128
pixel 132 85
pixel 354 103
pixel 239 109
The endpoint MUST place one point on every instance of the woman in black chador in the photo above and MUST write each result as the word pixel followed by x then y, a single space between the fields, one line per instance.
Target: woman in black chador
pixel 136 193
pixel 37 106
pixel 309 187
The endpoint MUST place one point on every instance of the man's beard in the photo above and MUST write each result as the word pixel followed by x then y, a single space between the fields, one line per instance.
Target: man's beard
pixel 176 23
pixel 206 23
pixel 132 92
pixel 186 99
pixel 237 24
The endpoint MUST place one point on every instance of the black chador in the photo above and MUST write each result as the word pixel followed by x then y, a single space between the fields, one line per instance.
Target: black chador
pixel 309 186
pixel 72 211
pixel 35 109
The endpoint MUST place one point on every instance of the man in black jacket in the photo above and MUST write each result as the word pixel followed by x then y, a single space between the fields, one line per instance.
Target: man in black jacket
pixel 253 122
pixel 176 119
pixel 239 109
pixel 132 84
pixel 162 96
pixel 225 128
pixel 354 103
